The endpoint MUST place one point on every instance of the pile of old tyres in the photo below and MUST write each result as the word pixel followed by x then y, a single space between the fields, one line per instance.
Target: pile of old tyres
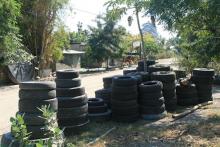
pixel 168 79
pixel 140 76
pixel 106 92
pixel 32 96
pixel 124 103
pixel 129 70
pixel 180 74
pixel 203 79
pixel 147 64
pixel 151 100
pixel 186 95
pixel 98 110
pixel 73 103
pixel 158 67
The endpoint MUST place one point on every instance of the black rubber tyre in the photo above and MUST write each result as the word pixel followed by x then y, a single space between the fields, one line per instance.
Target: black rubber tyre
pixel 69 102
pixel 203 72
pixel 205 99
pixel 187 102
pixel 126 119
pixel 100 116
pixel 95 102
pixel 97 109
pixel 150 87
pixel 32 106
pixel 171 104
pixel 107 82
pixel 169 93
pixel 124 104
pixel 8 140
pixel 164 76
pixel 33 119
pixel 104 94
pixel 124 90
pixel 124 81
pixel 138 78
pixel 180 74
pixel 37 85
pixel 151 96
pixel 169 86
pixel 73 121
pixel 72 112
pixel 145 76
pixel 126 71
pixel 125 111
pixel 124 97
pixel 202 80
pixel 186 89
pixel 38 132
pixel 67 74
pixel 157 67
pixel 201 87
pixel 68 83
pixel 70 92
pixel 152 103
pixel 37 94
pixel 152 110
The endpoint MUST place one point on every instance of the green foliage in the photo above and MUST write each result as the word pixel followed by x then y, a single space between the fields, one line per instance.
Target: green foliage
pixel 11 49
pixel 37 24
pixel 19 130
pixel 105 39
pixel 197 24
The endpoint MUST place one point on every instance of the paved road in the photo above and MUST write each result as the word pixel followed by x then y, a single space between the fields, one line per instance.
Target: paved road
pixel 9 97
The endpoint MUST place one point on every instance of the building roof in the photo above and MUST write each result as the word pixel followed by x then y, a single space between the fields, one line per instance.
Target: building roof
pixel 73 52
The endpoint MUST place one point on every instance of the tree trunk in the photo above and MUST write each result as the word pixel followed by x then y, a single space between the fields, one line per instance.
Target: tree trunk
pixel 142 38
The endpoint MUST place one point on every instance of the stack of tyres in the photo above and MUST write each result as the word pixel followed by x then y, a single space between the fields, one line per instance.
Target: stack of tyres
pixel 124 99
pixel 158 67
pixel 186 95
pixel 73 103
pixel 148 63
pixel 33 95
pixel 104 94
pixel 168 79
pixel 203 78
pixel 98 110
pixel 151 100
pixel 126 71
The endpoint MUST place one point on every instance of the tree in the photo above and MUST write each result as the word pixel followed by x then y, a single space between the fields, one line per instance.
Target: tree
pixel 104 40
pixel 197 25
pixel 38 21
pixel 11 49
pixel 119 7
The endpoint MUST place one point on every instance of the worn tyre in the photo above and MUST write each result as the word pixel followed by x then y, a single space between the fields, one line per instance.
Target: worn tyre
pixel 37 85
pixel 150 87
pixel 97 109
pixel 69 102
pixel 70 92
pixel 124 81
pixel 125 97
pixel 157 67
pixel 151 96
pixel 152 110
pixel 67 74
pixel 72 112
pixel 202 80
pixel 8 140
pixel 100 116
pixel 203 72
pixel 126 71
pixel 124 89
pixel 32 106
pixel 152 103
pixel 124 104
pixel 33 119
pixel 68 83
pixel 187 102
pixel 43 94
pixel 72 121
pixel 95 102
pixel 164 76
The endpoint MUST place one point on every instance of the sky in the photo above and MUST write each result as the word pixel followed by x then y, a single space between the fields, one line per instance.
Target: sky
pixel 85 11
